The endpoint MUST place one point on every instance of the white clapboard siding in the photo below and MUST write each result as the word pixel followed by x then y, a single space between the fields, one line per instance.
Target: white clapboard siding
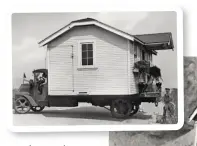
pixel 60 73
pixel 110 75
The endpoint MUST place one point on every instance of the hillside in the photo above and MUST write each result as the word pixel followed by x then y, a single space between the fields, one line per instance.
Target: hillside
pixel 165 138
pixel 190 85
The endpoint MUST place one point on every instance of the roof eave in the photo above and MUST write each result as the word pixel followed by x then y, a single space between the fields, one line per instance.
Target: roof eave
pixel 163 45
pixel 168 43
pixel 139 41
pixel 154 52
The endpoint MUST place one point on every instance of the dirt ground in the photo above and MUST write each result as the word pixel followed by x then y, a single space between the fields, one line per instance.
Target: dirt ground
pixel 85 114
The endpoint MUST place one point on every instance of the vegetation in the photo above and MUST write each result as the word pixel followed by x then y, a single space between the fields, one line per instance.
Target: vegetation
pixel 155 72
pixel 145 69
pixel 143 66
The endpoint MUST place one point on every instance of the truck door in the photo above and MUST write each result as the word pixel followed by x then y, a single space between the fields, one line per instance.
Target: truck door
pixel 41 93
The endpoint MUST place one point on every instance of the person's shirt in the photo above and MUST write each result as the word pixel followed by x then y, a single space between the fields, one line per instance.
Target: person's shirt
pixel 44 80
pixel 166 98
pixel 141 78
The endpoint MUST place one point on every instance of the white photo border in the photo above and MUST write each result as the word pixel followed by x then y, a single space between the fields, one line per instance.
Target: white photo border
pixel 134 127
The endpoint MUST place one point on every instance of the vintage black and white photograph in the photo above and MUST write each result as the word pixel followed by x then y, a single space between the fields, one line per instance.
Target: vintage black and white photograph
pixel 186 136
pixel 95 68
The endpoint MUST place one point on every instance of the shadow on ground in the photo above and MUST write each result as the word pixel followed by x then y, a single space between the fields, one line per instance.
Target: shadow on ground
pixel 96 113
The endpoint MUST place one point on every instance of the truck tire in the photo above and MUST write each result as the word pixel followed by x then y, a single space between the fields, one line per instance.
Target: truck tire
pixel 22 105
pixel 120 108
pixel 37 108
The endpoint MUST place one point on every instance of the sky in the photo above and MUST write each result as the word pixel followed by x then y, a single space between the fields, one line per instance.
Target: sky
pixel 29 29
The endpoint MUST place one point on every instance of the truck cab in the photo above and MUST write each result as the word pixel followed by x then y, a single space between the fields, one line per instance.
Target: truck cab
pixel 32 94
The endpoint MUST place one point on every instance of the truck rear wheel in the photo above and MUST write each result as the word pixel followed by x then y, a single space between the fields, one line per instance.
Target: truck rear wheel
pixel 120 108
pixel 22 105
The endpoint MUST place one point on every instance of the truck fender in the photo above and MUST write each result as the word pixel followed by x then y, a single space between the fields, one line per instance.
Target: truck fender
pixel 31 100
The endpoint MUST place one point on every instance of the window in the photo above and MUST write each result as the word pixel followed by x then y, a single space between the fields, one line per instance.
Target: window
pixel 86 56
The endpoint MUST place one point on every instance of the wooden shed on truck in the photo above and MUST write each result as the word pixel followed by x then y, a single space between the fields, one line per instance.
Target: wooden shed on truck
pixel 90 57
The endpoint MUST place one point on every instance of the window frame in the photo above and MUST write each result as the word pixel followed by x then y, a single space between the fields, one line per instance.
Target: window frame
pixel 80 43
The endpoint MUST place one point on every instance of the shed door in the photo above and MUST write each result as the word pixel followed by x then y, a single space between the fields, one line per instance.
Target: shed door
pixel 61 70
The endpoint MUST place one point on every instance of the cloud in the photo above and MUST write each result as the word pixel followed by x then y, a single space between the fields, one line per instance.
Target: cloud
pixel 28 51
pixel 122 20
pixel 25 42
pixel 26 56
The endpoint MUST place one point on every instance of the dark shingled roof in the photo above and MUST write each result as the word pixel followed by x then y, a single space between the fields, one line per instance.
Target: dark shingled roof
pixel 157 41
pixel 154 38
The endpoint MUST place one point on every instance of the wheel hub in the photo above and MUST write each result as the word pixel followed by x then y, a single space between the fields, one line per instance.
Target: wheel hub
pixel 22 105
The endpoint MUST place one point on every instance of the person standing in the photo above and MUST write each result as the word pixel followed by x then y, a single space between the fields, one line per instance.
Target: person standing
pixel 168 109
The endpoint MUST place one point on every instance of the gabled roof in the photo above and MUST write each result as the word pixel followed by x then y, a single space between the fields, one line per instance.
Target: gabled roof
pixel 85 20
pixel 157 41
pixel 82 22
pixel 154 38
pixel 193 116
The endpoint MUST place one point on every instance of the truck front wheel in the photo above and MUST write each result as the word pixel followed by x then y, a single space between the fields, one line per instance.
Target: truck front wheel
pixel 22 105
